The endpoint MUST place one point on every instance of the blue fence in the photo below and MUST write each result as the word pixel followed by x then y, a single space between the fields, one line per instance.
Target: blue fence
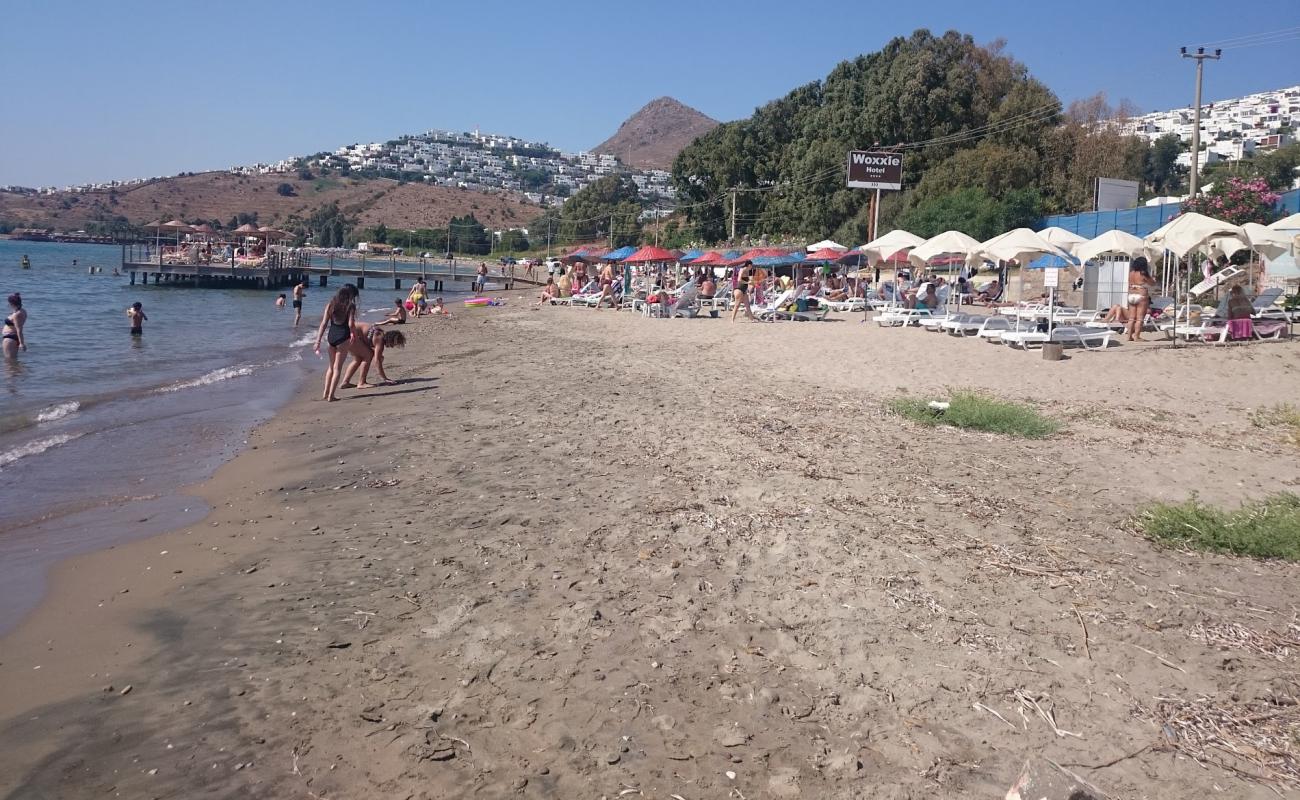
pixel 1141 220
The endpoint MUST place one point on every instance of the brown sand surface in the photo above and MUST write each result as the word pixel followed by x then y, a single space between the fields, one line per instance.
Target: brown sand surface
pixel 582 554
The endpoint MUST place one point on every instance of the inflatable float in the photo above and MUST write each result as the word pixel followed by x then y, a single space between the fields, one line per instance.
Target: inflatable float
pixel 481 302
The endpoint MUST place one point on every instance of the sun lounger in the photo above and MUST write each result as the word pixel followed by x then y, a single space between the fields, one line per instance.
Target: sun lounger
pixel 965 324
pixel 902 316
pixel 992 328
pixel 1087 338
pixel 850 305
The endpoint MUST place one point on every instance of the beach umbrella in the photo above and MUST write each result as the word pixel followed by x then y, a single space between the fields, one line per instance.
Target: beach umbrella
pixel 1185 234
pixel 651 254
pixel 948 243
pixel 893 242
pixel 1020 245
pixel 690 255
pixel 619 254
pixel 826 244
pixel 1269 243
pixel 1110 243
pixel 1023 246
pixel 1291 223
pixel 825 254
pixel 711 258
pixel 1066 240
pixel 1189 232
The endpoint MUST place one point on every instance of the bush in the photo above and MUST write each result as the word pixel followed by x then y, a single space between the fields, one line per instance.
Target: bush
pixel 1268 528
pixel 978 412
pixel 285 190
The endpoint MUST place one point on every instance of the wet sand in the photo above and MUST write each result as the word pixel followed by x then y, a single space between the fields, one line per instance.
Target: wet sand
pixel 578 554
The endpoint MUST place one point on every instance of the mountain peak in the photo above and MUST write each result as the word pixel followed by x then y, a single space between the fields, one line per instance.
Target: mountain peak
pixel 652 137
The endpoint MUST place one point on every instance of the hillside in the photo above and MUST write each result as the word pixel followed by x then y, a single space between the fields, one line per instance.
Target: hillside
pixel 222 195
pixel 652 137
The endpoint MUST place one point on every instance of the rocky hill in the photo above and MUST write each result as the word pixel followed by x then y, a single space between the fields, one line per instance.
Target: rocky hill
pixel 222 195
pixel 652 137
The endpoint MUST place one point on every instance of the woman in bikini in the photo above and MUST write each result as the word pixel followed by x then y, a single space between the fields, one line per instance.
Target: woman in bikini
pixel 367 347
pixel 1139 297
pixel 740 295
pixel 339 318
pixel 12 337
pixel 606 287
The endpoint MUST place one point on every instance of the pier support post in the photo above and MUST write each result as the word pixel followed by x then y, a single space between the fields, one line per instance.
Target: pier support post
pixel 361 282
pixel 397 283
pixel 144 278
pixel 324 280
pixel 133 278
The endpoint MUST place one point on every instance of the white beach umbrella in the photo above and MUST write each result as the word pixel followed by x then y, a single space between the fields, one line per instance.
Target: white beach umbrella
pixel 1265 241
pixel 881 248
pixel 1110 243
pixel 948 243
pixel 1020 245
pixel 825 244
pixel 1066 240
pixel 1188 232
pixel 1291 223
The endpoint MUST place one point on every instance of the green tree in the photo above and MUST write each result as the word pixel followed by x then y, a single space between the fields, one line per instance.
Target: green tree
pixel 285 190
pixel 514 241
pixel 1160 171
pixel 609 208
pixel 468 235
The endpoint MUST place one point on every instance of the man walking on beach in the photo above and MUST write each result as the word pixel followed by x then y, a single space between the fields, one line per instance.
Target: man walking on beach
pixel 299 292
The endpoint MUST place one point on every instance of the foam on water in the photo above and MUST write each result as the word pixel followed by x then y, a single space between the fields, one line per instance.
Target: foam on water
pixel 58 411
pixel 35 447
pixel 215 376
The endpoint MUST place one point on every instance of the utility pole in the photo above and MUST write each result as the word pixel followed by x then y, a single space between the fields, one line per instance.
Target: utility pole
pixel 611 231
pixel 1199 57
pixel 548 237
pixel 732 238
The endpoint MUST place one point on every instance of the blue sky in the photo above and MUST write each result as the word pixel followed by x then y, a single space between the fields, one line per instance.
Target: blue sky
pixel 101 90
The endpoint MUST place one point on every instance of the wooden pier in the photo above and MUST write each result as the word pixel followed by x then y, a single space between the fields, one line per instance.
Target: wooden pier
pixel 282 269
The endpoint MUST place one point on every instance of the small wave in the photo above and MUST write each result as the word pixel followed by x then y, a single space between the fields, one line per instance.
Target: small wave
pixel 35 448
pixel 306 339
pixel 58 411
pixel 215 376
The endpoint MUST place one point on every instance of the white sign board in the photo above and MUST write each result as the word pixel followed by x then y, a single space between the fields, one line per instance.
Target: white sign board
pixel 1051 278
pixel 1113 194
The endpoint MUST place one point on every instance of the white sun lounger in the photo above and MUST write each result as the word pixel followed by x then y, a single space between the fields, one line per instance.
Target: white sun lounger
pixel 992 328
pixel 902 316
pixel 1087 338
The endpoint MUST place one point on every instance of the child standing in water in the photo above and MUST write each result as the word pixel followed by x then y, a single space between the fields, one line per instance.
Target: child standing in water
pixel 279 301
pixel 136 314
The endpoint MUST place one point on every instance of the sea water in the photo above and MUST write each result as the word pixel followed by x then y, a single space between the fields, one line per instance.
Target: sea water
pixel 99 429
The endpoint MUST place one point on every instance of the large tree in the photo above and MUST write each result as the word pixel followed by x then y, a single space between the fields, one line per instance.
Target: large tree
pixel 608 209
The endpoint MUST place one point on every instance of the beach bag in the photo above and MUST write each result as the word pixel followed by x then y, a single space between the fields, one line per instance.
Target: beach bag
pixel 801 304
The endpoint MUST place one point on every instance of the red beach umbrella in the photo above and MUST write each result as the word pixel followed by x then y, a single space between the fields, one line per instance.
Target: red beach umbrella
pixel 649 254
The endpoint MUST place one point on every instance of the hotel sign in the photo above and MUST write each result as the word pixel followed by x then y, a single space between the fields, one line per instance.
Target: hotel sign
pixel 873 170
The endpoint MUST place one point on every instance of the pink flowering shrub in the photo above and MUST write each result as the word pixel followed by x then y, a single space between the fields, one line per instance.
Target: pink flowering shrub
pixel 1237 201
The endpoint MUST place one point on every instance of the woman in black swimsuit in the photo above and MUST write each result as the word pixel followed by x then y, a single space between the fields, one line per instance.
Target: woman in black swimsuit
pixel 12 337
pixel 339 317
pixel 741 294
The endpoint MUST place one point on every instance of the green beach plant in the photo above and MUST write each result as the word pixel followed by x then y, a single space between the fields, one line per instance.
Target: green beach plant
pixel 1268 528
pixel 976 411
pixel 1283 415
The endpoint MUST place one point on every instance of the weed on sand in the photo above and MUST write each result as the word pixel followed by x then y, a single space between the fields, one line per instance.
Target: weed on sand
pixel 1282 415
pixel 978 412
pixel 1268 528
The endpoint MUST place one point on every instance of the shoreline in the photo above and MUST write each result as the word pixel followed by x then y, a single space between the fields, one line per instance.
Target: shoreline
pixel 658 563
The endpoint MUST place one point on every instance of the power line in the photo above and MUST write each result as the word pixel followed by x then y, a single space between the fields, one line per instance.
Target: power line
pixel 1249 38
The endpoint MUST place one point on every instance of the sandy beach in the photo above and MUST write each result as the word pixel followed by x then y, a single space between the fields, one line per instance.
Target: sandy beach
pixel 591 554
